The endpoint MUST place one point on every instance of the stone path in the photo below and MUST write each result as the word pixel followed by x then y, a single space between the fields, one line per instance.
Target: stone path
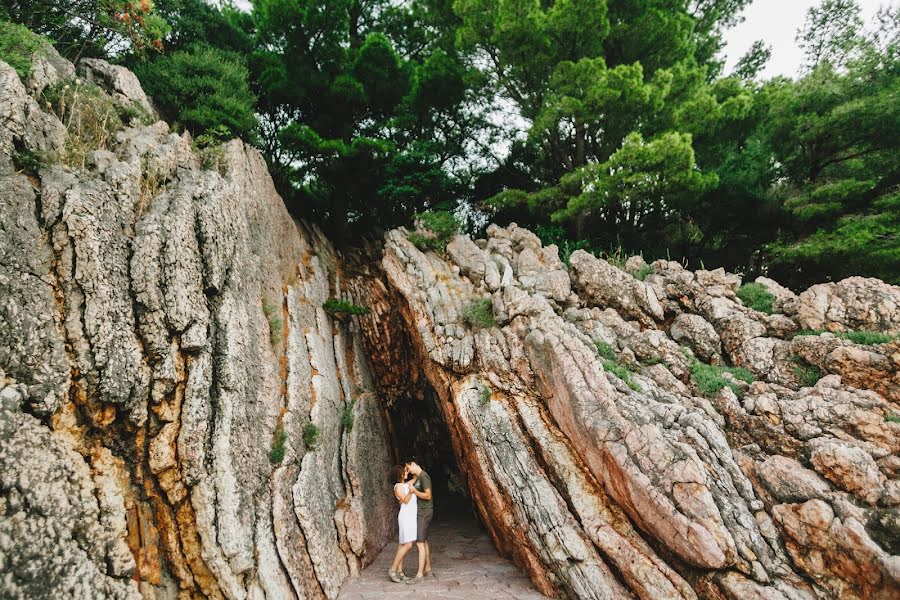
pixel 465 562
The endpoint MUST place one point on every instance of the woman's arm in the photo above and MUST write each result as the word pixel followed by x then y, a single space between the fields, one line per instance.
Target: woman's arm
pixel 398 493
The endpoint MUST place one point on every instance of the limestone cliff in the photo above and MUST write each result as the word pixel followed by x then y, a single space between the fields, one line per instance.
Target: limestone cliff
pixel 181 418
pixel 161 335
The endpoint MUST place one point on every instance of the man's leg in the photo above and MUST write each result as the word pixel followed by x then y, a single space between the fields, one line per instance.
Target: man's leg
pixel 421 547
pixel 427 557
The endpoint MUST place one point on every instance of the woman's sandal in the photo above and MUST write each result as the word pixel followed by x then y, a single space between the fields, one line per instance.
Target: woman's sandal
pixel 396 576
pixel 415 580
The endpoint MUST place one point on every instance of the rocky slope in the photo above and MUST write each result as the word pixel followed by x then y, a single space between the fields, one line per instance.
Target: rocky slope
pixel 181 418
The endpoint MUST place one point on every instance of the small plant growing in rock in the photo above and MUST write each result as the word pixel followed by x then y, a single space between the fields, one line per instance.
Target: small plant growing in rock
pixel 605 350
pixel 756 297
pixel 339 308
pixel 90 116
pixel 479 314
pixel 347 416
pixel 440 226
pixel 275 322
pixel 643 272
pixel 484 394
pixel 892 417
pixel 866 338
pixel 276 454
pixel 710 378
pixel 622 373
pixel 311 436
pixel 807 373
pixel 29 161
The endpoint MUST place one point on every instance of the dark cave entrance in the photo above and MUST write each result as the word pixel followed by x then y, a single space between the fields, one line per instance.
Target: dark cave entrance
pixel 420 432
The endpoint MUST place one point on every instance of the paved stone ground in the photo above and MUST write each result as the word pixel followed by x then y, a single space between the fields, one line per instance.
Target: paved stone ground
pixel 465 562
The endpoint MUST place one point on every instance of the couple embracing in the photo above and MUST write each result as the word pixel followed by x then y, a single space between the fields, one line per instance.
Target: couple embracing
pixel 413 490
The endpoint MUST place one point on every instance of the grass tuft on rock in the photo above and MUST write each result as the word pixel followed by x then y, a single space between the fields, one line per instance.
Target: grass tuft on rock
pixel 484 394
pixel 863 338
pixel 756 297
pixel 479 314
pixel 311 436
pixel 605 350
pixel 336 307
pixel 709 379
pixel 892 417
pixel 622 373
pixel 275 322
pixel 89 115
pixel 347 416
pixel 807 373
pixel 276 454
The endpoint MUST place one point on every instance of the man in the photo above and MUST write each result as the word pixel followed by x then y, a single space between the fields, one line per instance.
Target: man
pixel 422 490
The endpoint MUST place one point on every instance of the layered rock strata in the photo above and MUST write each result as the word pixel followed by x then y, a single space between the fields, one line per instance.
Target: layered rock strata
pixel 180 417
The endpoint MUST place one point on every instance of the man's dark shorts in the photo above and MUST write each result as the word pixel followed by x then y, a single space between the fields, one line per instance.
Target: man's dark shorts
pixel 423 521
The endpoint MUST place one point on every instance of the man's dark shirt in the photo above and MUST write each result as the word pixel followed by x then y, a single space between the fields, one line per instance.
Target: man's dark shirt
pixel 424 483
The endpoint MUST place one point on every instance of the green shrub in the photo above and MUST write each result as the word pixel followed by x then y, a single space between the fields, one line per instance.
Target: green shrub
pixel 756 297
pixel 276 454
pixel 484 394
pixel 807 374
pixel 336 307
pixel 18 45
pixel 203 89
pixel 441 224
pixel 347 416
pixel 311 436
pixel 709 378
pixel 622 373
pixel 892 417
pixel 807 332
pixel 605 350
pixel 275 322
pixel 479 314
pixel 90 116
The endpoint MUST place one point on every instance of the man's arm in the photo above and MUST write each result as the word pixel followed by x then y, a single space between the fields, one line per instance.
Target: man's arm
pixel 426 495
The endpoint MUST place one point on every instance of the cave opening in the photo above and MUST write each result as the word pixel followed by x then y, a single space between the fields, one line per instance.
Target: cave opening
pixel 420 433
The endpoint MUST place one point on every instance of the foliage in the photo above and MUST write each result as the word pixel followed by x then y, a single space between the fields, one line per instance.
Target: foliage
pixel 479 314
pixel 709 379
pixel 29 161
pixel 440 226
pixel 89 115
pixel 892 418
pixel 621 372
pixel 756 297
pixel 807 374
pixel 865 338
pixel 605 350
pixel 484 394
pixel 347 416
pixel 275 322
pixel 276 454
pixel 18 45
pixel 554 234
pixel 204 90
pixel 311 436
pixel 343 307
pixel 92 27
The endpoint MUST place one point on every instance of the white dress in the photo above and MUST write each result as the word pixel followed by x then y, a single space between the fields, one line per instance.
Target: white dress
pixel 406 519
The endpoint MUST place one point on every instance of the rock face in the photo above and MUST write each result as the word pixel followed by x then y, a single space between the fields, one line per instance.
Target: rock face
pixel 179 417
pixel 161 334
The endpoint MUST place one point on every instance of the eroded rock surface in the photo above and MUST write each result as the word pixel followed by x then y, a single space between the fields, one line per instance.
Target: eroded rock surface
pixel 163 348
pixel 181 418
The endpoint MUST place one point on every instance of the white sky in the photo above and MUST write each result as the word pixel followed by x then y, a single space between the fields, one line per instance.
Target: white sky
pixel 776 23
pixel 773 21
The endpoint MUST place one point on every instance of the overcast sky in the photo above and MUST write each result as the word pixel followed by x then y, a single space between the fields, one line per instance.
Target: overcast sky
pixel 775 22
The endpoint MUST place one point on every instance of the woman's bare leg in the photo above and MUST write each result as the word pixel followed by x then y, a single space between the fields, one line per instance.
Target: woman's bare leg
pixel 402 549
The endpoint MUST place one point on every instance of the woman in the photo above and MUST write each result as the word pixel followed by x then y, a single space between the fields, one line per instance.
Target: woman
pixel 406 520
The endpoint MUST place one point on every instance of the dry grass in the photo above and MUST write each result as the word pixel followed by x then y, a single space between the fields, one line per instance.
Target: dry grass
pixel 89 115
